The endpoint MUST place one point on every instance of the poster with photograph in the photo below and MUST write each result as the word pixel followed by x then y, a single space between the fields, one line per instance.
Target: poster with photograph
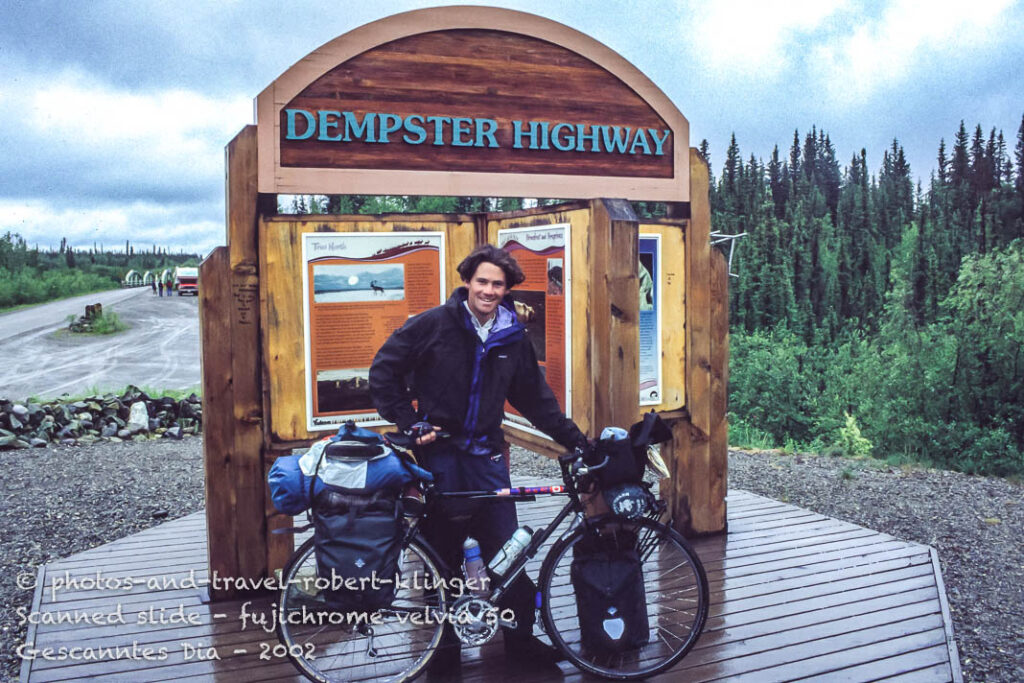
pixel 358 288
pixel 649 274
pixel 542 305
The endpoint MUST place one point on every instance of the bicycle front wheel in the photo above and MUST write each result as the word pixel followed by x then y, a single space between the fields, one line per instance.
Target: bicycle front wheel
pixel 391 644
pixel 646 562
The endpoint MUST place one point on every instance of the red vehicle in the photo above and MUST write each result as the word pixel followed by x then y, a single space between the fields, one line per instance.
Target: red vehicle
pixel 186 281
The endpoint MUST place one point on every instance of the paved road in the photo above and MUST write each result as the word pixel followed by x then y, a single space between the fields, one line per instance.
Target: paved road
pixel 160 350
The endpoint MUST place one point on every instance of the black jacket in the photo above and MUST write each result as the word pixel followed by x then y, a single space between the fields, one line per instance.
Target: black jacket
pixel 461 384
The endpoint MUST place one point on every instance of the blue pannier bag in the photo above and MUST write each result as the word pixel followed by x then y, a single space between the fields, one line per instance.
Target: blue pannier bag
pixel 352 483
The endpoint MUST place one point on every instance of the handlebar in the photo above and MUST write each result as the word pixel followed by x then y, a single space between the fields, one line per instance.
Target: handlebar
pixel 574 464
pixel 407 440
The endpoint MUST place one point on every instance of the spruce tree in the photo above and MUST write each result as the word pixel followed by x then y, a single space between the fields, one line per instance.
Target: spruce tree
pixel 777 184
pixel 794 165
pixel 1018 154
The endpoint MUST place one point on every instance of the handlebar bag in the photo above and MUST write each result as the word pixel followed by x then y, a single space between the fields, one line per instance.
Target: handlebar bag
pixel 625 463
pixel 627 457
pixel 608 582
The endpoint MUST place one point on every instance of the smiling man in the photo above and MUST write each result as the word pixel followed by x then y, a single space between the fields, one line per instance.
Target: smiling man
pixel 460 362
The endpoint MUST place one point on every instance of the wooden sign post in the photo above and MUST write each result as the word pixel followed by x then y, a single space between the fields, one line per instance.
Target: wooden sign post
pixel 458 101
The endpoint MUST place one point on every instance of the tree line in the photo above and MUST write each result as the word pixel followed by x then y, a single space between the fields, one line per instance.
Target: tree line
pixel 863 294
pixel 29 275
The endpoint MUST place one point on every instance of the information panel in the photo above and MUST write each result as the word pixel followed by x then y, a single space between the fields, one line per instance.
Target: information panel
pixel 357 289
pixel 542 306
pixel 649 272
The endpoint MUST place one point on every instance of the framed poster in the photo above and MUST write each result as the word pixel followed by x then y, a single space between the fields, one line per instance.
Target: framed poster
pixel 649 274
pixel 357 289
pixel 542 304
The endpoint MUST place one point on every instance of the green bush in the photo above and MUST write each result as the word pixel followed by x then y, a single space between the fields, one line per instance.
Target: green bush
pixel 950 393
pixel 108 323
pixel 851 442
pixel 33 285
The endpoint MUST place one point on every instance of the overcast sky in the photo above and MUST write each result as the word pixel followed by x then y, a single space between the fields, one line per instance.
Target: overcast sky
pixel 114 114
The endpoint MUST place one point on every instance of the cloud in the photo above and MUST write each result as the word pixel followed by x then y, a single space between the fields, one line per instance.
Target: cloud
pixel 78 138
pixel 755 38
pixel 907 37
pixel 191 228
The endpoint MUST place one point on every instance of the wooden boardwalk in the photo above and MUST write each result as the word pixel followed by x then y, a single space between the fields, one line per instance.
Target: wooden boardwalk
pixel 794 595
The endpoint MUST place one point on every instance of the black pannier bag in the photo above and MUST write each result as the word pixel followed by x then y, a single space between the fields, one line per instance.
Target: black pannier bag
pixel 357 539
pixel 353 481
pixel 611 603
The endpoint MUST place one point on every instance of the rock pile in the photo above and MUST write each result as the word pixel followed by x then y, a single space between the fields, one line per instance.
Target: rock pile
pixel 131 416
pixel 85 322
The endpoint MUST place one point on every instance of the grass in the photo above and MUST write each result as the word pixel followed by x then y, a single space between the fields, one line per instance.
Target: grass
pixel 107 322
pixel 11 309
pixel 742 435
pixel 97 390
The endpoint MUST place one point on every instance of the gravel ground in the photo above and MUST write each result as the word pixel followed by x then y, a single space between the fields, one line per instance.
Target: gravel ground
pixel 57 502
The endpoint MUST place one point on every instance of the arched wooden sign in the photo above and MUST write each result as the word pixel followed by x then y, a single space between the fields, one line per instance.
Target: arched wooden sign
pixel 440 102
pixel 463 101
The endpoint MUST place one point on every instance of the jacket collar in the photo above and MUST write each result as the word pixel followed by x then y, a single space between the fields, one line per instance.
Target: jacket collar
pixel 506 326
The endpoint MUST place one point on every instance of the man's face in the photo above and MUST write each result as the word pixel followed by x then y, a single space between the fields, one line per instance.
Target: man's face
pixel 486 290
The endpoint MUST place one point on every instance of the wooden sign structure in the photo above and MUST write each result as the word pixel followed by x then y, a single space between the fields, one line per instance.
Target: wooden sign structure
pixel 463 101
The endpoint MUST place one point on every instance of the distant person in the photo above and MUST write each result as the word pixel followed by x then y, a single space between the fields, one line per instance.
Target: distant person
pixel 153 285
pixel 161 285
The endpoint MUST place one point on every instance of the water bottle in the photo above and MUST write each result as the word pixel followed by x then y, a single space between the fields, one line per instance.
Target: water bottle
pixel 511 551
pixel 473 568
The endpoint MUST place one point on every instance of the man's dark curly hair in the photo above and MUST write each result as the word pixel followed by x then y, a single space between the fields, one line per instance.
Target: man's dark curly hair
pixel 490 254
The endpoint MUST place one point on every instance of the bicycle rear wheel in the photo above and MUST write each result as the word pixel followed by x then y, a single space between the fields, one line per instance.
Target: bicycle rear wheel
pixel 392 644
pixel 674 586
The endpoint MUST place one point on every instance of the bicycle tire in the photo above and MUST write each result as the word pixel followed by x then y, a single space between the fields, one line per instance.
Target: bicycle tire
pixel 676 589
pixel 339 651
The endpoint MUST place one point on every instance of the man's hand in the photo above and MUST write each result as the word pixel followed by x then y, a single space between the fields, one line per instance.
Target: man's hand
pixel 424 432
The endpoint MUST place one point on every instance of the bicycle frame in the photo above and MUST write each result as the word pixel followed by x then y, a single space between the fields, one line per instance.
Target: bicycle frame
pixel 572 467
pixel 514 494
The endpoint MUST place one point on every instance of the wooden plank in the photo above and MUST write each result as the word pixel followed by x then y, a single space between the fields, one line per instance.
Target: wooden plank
pixel 886 607
pixel 218 401
pixel 614 306
pixel 953 653
pixel 248 546
pixel 718 444
pixel 821 577
pixel 936 672
pixel 870 644
pixel 729 582
pixel 696 494
pixel 766 638
pixel 929 664
pixel 753 560
pixel 25 671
